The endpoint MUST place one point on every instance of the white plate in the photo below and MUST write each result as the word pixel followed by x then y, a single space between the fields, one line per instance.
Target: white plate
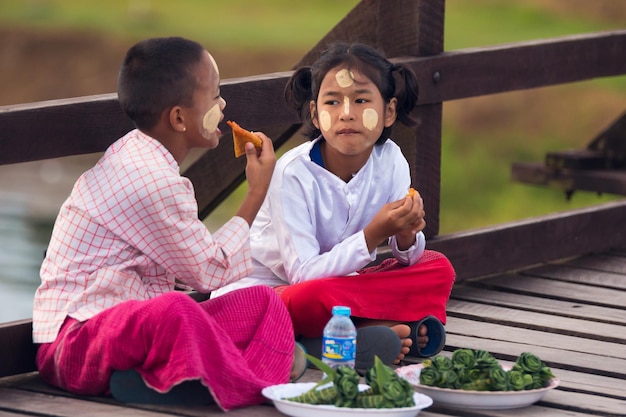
pixel 457 398
pixel 276 393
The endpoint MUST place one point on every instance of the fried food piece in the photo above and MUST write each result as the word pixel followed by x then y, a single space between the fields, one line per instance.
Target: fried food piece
pixel 411 192
pixel 241 136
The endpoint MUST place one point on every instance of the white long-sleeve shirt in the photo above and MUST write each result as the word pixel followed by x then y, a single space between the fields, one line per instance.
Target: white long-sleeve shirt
pixel 311 223
pixel 128 230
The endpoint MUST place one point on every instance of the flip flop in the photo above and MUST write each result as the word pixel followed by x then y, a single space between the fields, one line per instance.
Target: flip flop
pixel 371 341
pixel 129 387
pixel 436 337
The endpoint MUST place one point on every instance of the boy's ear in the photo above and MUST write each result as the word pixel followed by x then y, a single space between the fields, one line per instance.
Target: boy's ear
pixel 313 110
pixel 176 118
pixel 390 112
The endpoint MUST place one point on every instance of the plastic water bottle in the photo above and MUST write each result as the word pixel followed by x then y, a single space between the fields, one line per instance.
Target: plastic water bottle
pixel 339 340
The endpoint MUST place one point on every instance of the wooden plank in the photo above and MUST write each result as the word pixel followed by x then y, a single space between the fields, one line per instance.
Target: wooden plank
pixel 554 357
pixel 502 248
pixel 597 180
pixel 531 411
pixel 590 383
pixel 544 322
pixel 44 404
pixel 540 305
pixel 601 262
pixel 584 352
pixel 559 290
pixel 577 275
pixel 596 405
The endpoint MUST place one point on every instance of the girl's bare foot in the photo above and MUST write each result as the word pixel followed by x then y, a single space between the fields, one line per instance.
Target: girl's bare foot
pixel 403 331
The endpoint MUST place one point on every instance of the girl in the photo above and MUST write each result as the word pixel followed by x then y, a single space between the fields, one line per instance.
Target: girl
pixel 332 201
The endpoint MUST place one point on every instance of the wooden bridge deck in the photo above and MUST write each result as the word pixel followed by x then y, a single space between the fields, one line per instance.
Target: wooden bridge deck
pixel 571 313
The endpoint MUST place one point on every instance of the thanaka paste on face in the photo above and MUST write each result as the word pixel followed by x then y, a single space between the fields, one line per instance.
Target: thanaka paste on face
pixel 324 120
pixel 346 105
pixel 217 70
pixel 344 78
pixel 211 119
pixel 370 119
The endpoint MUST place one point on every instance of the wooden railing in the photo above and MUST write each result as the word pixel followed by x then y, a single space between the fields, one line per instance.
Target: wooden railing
pixel 410 32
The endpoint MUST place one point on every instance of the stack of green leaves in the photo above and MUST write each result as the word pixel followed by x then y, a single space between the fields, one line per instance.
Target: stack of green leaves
pixel 386 388
pixel 478 370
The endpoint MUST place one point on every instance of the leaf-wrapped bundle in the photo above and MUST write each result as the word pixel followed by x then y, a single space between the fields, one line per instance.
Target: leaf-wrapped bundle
pixel 463 358
pixel 347 384
pixel 529 363
pixel 478 370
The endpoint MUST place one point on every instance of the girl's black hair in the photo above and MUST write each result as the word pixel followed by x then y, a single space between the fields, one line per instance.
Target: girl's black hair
pixel 157 74
pixel 392 80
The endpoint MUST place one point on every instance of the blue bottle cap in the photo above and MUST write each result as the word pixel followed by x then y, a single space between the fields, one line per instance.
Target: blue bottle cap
pixel 341 311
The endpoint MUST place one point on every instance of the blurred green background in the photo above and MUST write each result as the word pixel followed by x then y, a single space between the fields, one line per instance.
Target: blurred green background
pixel 67 48
pixel 482 136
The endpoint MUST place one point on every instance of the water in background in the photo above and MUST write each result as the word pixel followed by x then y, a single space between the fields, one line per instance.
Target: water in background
pixel 30 197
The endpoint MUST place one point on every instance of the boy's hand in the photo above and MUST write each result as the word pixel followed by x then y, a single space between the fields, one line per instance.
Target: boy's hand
pixel 259 169
pixel 260 165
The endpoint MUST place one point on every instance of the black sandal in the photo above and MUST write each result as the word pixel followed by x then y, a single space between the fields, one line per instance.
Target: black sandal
pixel 436 337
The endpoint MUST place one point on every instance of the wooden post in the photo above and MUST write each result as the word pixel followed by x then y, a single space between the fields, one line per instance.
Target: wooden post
pixel 415 28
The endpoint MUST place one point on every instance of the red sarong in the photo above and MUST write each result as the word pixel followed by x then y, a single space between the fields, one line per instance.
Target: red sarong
pixel 236 345
pixel 389 291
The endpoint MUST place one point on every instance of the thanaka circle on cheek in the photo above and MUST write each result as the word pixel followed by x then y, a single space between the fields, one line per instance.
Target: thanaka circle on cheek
pixel 344 78
pixel 370 119
pixel 325 120
pixel 212 119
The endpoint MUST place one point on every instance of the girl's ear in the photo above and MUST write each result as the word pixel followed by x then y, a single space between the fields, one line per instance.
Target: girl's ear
pixel 177 118
pixel 313 110
pixel 390 112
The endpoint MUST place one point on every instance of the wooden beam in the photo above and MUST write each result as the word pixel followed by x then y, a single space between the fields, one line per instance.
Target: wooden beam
pixel 514 66
pixel 605 181
pixel 16 348
pixel 88 124
pixel 499 249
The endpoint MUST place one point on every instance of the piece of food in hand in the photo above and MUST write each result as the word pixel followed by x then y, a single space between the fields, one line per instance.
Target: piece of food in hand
pixel 411 192
pixel 241 136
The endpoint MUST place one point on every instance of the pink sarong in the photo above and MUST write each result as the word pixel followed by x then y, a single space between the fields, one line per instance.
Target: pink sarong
pixel 389 291
pixel 236 345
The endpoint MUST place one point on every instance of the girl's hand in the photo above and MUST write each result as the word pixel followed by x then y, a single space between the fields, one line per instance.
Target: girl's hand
pixel 403 218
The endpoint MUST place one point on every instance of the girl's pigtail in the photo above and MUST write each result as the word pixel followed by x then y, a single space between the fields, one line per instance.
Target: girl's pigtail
pixel 406 93
pixel 298 95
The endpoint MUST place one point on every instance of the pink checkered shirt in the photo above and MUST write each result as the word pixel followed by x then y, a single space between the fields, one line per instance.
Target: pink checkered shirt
pixel 129 228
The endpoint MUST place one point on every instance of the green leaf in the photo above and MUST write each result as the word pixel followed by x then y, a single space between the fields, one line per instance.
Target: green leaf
pixel 331 374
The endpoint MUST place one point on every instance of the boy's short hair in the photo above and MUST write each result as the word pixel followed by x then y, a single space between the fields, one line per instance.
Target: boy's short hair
pixel 157 74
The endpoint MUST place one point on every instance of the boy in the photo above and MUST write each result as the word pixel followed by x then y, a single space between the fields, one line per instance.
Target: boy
pixel 106 315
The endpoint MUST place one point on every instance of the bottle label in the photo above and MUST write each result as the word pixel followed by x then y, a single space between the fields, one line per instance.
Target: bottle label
pixel 337 350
